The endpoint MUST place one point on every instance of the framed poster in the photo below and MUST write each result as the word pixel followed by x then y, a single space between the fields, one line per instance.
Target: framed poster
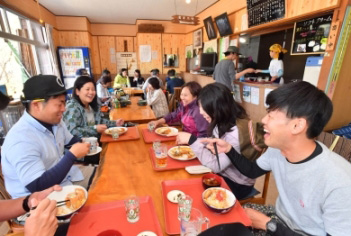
pixel 223 25
pixel 311 36
pixel 210 29
pixel 197 39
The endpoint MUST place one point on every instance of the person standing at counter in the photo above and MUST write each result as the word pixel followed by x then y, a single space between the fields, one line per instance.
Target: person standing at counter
pixel 276 67
pixel 224 72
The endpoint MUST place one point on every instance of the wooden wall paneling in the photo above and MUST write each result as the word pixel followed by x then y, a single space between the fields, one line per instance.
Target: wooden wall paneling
pixel 113 29
pixel 74 39
pixel 156 45
pixel 106 45
pixel 29 8
pixel 341 97
pixel 240 21
pixel 120 44
pixel 189 38
pixel 95 57
pixel 73 23
pixel 301 7
pixel 166 43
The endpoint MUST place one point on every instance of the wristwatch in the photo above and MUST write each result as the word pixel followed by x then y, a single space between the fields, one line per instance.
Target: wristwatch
pixel 271 226
pixel 25 205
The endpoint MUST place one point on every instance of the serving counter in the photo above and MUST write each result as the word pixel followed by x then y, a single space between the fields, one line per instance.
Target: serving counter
pixel 252 96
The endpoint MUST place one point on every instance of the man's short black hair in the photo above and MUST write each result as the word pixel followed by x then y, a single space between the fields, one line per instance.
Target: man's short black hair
pixel 302 100
pixel 171 72
pixel 4 101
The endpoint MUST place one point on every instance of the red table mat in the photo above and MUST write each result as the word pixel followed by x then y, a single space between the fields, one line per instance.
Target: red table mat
pixel 94 219
pixel 131 134
pixel 149 137
pixel 171 163
pixel 194 188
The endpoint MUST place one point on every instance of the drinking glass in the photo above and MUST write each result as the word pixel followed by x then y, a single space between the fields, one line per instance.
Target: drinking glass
pixel 184 207
pixel 151 127
pixel 132 207
pixel 161 156
pixel 115 134
pixel 193 226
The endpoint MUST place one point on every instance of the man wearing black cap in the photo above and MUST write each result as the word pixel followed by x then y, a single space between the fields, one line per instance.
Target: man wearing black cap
pixel 33 151
pixel 225 70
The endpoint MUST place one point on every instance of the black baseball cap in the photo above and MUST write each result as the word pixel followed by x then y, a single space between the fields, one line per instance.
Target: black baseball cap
pixel 43 86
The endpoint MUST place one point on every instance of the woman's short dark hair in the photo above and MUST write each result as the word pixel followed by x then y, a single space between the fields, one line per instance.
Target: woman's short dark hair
pixel 106 79
pixel 122 70
pixel 155 83
pixel 218 102
pixel 302 100
pixel 194 88
pixel 106 72
pixel 171 72
pixel 78 84
pixel 138 72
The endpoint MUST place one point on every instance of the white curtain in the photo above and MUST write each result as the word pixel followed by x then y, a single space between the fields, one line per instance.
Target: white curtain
pixel 52 53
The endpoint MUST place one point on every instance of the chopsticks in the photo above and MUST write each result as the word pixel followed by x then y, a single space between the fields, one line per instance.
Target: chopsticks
pixel 58 204
pixel 216 151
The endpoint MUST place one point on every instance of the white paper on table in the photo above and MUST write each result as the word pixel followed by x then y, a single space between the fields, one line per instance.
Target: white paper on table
pixel 246 93
pixel 255 95
pixel 145 53
pixel 154 55
pixel 266 92
pixel 237 96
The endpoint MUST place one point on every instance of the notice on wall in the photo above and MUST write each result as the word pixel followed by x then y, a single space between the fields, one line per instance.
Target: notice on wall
pixel 113 58
pixel 210 46
pixel 145 53
pixel 247 93
pixel 237 96
pixel 255 95
pixel 266 92
pixel 154 55
pixel 223 46
pixel 127 60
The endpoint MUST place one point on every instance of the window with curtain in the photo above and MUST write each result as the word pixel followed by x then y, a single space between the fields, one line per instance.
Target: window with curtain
pixel 25 51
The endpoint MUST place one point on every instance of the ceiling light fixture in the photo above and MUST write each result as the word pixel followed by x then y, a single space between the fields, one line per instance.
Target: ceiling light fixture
pixel 188 1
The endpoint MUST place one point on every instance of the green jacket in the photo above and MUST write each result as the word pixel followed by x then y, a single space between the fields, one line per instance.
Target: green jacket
pixel 76 120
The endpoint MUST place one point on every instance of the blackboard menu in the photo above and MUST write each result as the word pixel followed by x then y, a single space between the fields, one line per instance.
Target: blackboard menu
pixel 311 36
pixel 263 11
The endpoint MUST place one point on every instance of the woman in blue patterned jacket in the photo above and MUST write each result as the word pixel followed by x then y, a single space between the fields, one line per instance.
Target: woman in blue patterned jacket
pixel 82 116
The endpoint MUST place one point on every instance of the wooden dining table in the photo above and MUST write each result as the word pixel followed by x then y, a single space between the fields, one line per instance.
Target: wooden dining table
pixel 133 112
pixel 126 169
pixel 133 91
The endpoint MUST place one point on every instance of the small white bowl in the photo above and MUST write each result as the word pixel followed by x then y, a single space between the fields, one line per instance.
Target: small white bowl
pixel 231 199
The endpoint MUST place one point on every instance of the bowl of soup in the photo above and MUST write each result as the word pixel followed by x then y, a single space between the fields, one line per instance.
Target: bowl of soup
pixel 211 180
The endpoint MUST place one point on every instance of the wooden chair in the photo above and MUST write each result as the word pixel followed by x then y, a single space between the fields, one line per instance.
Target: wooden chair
pixel 260 199
pixel 337 144
pixel 4 195
pixel 175 99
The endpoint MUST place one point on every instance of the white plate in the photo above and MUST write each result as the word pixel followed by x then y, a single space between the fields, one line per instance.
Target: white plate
pixel 184 157
pixel 172 196
pixel 195 170
pixel 174 131
pixel 61 196
pixel 147 233
pixel 121 131
pixel 98 150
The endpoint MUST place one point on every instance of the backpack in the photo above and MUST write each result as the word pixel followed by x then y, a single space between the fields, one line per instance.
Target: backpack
pixel 251 138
